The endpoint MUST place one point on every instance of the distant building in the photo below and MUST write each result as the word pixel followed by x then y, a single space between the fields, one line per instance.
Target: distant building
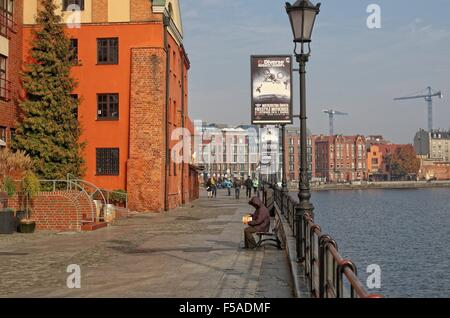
pixel 434 145
pixel 292 154
pixel 228 151
pixel 376 139
pixel 378 167
pixel 434 170
pixel 375 168
pixel 341 158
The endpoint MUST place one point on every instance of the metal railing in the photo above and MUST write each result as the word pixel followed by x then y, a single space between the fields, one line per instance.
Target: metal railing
pixel 88 190
pixel 329 274
pixel 106 196
pixel 68 185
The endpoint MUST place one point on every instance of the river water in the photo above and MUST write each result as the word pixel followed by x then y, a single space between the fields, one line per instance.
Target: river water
pixel 405 232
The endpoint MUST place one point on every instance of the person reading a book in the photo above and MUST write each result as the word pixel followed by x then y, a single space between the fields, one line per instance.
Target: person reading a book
pixel 260 222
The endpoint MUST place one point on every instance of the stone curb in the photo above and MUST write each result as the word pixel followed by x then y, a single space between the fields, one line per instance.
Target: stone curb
pixel 301 289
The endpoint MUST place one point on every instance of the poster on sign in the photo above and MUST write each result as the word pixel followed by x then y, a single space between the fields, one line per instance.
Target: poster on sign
pixel 271 85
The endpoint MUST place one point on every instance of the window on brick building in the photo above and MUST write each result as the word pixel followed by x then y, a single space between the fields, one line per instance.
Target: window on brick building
pixel 7 6
pixel 107 160
pixel 12 134
pixel 6 14
pixel 4 84
pixel 71 5
pixel 107 106
pixel 108 51
pixel 74 51
pixel 2 137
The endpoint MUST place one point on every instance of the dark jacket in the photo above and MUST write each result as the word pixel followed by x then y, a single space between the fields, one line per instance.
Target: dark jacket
pixel 261 217
pixel 249 183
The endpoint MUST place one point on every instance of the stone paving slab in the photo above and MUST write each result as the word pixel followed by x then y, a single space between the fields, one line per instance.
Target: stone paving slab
pixel 189 252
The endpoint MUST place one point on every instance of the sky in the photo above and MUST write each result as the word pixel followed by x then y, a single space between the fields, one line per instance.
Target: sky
pixel 352 68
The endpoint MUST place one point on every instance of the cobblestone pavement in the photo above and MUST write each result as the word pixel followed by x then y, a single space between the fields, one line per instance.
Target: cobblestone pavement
pixel 189 252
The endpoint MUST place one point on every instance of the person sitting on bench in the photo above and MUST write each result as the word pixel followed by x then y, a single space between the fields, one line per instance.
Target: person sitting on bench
pixel 260 222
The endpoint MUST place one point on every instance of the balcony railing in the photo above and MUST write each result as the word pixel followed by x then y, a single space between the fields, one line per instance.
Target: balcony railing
pixel 5 89
pixel 329 274
pixel 7 24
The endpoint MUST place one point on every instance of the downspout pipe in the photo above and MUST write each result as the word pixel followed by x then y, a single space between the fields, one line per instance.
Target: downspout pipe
pixel 166 21
pixel 183 124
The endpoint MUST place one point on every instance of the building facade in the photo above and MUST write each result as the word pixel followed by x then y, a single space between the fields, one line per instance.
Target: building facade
pixel 434 145
pixel 341 158
pixel 228 152
pixel 434 170
pixel 292 154
pixel 132 73
pixel 11 12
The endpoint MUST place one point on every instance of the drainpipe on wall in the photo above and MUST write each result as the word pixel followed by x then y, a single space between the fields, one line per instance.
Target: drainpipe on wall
pixel 183 124
pixel 166 21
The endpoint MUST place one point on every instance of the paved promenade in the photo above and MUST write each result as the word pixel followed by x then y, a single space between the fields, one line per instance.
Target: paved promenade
pixel 188 252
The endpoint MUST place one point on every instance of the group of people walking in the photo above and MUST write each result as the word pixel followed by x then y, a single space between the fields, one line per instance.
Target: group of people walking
pixel 212 184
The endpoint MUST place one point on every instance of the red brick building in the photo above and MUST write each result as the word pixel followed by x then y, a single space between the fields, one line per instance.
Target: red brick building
pixel 292 154
pixel 341 158
pixel 11 13
pixel 132 75
pixel 434 170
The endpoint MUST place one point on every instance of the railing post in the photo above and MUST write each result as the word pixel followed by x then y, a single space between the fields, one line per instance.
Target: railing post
pixel 300 235
pixel 323 241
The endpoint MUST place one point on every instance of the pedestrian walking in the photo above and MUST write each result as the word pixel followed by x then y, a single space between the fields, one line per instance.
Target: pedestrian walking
pixel 209 187
pixel 248 185
pixel 228 185
pixel 214 187
pixel 237 184
pixel 255 186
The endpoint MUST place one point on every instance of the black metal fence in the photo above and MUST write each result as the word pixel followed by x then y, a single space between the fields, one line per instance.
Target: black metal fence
pixel 329 274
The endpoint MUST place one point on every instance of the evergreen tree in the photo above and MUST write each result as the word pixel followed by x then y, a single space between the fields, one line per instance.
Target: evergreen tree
pixel 48 129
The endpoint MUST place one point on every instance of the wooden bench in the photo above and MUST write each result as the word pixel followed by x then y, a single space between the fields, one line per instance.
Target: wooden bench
pixel 270 237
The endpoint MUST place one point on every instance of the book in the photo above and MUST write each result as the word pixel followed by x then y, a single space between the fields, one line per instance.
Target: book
pixel 246 219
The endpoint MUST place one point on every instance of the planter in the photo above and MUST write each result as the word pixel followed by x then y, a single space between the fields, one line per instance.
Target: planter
pixel 27 227
pixel 110 213
pixel 7 221
pixel 20 215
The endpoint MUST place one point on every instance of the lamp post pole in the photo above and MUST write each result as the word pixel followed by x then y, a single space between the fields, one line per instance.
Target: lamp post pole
pixel 283 158
pixel 304 195
pixel 302 15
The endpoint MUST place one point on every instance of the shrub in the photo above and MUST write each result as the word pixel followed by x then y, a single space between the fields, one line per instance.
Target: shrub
pixel 118 196
pixel 14 164
pixel 30 188
pixel 9 187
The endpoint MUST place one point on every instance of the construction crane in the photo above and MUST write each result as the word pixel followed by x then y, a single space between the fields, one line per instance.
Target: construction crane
pixel 331 113
pixel 428 96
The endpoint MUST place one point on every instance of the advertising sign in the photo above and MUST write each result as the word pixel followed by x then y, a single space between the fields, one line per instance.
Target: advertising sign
pixel 271 83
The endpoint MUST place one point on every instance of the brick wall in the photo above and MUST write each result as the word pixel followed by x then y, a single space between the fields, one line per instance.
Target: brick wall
pixel 146 163
pixel 100 11
pixel 56 211
pixel 141 10
pixel 440 171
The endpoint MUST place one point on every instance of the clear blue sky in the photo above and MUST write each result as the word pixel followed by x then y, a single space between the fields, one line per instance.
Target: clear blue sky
pixel 352 68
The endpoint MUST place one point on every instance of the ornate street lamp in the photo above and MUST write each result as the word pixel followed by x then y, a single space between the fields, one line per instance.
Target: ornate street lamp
pixel 302 15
